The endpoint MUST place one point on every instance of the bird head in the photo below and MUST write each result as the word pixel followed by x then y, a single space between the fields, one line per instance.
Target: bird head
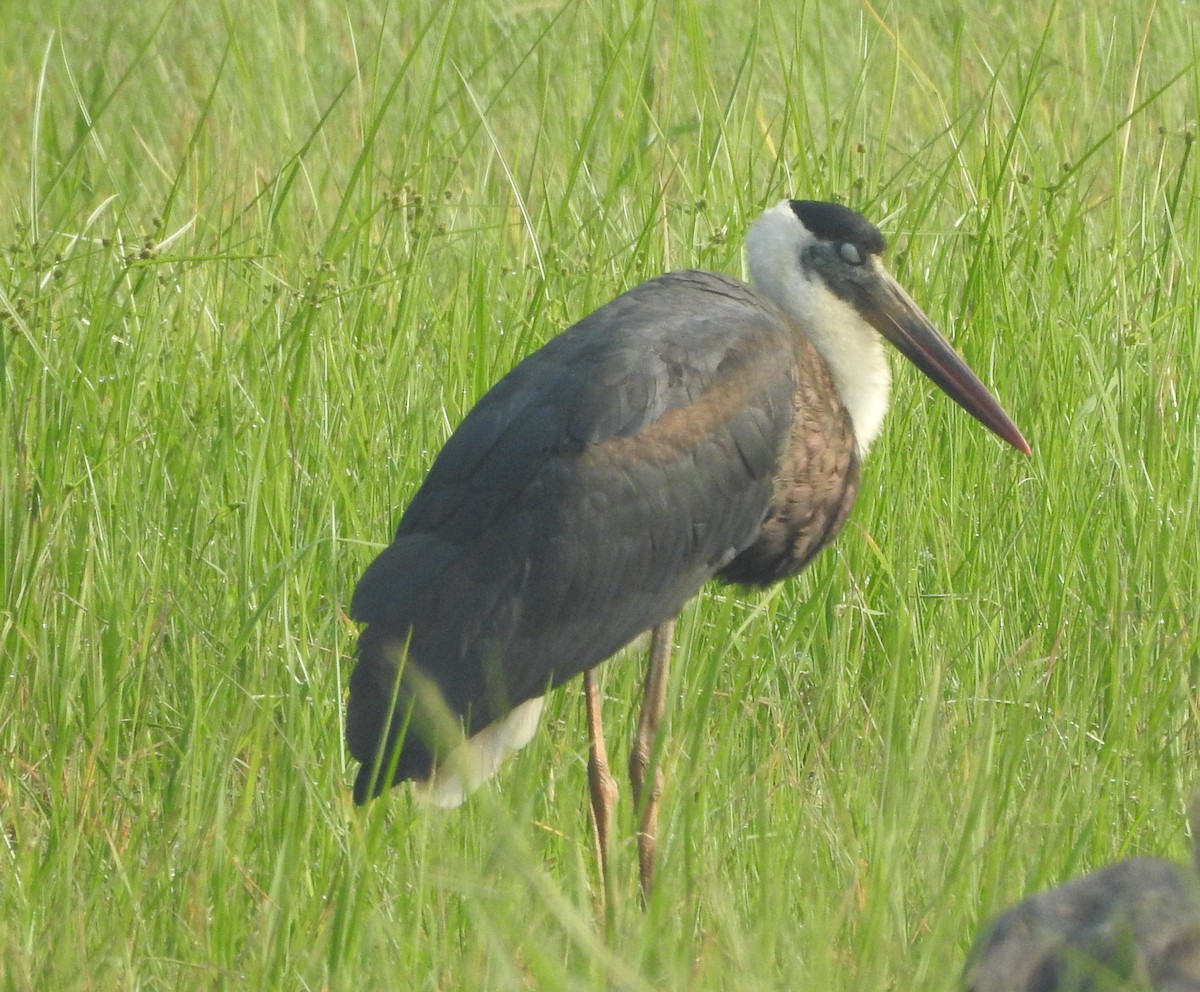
pixel 822 264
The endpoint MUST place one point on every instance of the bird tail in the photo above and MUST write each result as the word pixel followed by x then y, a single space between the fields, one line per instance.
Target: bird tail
pixel 378 714
pixel 399 726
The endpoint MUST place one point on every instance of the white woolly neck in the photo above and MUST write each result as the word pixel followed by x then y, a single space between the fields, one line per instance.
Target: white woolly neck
pixel 849 345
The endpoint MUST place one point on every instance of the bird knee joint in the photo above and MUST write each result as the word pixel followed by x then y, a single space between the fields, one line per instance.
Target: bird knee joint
pixel 639 761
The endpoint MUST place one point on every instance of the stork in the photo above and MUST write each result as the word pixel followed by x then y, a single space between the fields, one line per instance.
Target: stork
pixel 694 428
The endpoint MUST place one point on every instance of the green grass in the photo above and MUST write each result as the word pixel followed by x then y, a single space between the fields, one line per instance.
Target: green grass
pixel 260 258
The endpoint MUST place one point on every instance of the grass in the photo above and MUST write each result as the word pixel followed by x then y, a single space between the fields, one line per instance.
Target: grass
pixel 259 259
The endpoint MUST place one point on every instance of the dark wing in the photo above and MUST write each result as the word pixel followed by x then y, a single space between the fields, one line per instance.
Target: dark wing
pixel 585 499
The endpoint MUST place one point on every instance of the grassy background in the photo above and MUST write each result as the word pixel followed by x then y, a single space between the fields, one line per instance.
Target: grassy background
pixel 259 258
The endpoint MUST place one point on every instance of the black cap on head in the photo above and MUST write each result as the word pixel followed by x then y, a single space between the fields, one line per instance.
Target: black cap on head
pixel 833 222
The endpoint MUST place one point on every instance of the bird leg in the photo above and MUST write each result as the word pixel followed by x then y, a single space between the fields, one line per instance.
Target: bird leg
pixel 601 784
pixel 653 701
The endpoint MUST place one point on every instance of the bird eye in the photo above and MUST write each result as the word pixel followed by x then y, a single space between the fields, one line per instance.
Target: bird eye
pixel 850 253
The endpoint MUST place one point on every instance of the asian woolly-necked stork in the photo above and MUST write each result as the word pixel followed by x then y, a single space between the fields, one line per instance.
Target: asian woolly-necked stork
pixel 694 428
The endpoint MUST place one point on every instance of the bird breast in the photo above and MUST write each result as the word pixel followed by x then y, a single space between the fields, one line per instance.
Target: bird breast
pixel 816 483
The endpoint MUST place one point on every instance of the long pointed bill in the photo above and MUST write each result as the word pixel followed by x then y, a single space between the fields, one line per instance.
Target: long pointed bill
pixel 891 311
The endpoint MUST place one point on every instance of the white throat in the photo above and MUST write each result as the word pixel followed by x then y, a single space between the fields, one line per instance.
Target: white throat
pixel 849 345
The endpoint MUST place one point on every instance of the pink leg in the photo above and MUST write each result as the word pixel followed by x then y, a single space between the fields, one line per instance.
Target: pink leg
pixel 653 701
pixel 601 784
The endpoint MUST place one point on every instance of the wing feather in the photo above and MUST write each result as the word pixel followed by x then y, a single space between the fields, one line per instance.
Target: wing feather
pixel 585 499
